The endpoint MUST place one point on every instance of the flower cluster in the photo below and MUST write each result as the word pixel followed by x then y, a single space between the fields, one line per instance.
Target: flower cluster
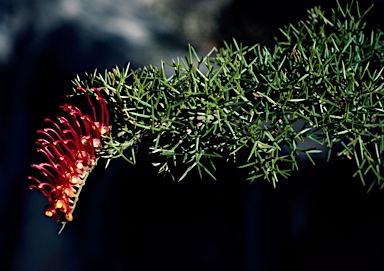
pixel 72 146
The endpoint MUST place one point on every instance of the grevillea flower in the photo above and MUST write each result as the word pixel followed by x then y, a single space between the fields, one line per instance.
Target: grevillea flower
pixel 72 146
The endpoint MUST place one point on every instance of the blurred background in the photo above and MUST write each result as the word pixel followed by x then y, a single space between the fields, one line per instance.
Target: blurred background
pixel 127 217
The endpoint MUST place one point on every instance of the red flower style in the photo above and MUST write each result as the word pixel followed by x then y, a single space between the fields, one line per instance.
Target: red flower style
pixel 72 147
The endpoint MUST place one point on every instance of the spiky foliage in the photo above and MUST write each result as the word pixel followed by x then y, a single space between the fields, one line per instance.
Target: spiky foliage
pixel 325 72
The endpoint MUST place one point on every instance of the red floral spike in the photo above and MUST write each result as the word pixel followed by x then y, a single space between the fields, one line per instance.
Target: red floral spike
pixel 72 146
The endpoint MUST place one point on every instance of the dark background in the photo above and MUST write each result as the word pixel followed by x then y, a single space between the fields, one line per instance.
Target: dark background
pixel 127 217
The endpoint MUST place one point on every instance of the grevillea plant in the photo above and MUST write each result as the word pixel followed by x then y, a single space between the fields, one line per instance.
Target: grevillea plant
pixel 72 145
pixel 322 81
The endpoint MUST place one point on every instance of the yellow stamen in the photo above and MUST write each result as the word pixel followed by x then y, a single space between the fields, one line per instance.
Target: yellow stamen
pixel 69 216
pixel 58 204
pixel 48 213
pixel 96 143
pixel 76 180
pixel 79 165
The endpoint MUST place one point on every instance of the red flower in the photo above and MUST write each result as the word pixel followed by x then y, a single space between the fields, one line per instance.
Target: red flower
pixel 72 146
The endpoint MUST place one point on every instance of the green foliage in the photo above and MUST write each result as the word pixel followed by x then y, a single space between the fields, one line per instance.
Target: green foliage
pixel 325 73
